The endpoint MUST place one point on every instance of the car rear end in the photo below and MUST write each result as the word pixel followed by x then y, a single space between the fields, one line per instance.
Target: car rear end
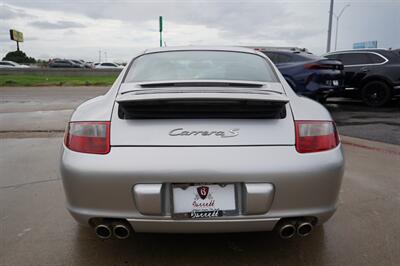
pixel 322 78
pixel 391 70
pixel 201 156
pixel 309 75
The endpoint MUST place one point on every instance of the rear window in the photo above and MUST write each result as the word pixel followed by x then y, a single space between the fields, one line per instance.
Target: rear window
pixel 200 65
pixel 287 57
pixel 278 58
pixel 59 62
pixel 355 58
pixel 331 56
pixel 376 58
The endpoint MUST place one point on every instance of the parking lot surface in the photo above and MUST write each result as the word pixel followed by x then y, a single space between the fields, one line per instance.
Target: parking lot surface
pixel 44 110
pixel 353 118
pixel 36 229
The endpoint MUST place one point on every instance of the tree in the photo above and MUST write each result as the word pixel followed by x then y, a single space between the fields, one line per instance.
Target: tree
pixel 19 57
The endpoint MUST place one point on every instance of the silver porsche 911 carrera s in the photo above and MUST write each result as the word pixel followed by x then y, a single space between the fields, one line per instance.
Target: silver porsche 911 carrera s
pixel 201 139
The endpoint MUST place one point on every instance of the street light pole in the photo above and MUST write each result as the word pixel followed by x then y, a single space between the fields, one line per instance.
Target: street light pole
pixel 328 44
pixel 337 23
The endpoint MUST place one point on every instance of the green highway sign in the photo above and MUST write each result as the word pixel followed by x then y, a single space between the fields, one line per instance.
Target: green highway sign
pixel 161 27
pixel 161 23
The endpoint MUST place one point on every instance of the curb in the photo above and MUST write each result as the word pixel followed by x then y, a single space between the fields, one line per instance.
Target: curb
pixel 371 145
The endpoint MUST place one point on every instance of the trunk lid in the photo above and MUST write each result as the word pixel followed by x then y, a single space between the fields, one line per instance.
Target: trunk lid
pixel 201 115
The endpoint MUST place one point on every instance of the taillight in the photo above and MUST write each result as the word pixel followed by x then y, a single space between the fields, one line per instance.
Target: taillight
pixel 314 136
pixel 88 137
pixel 321 66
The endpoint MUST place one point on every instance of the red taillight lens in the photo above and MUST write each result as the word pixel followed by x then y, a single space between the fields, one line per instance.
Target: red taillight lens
pixel 314 136
pixel 320 66
pixel 88 137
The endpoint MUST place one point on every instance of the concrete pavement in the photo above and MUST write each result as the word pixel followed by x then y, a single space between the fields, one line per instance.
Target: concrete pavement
pixel 36 229
pixel 37 109
pixel 355 119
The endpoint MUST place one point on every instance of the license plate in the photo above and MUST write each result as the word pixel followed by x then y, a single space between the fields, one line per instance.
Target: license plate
pixel 335 82
pixel 203 201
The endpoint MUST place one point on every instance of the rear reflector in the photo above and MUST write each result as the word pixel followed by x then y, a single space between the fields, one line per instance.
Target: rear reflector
pixel 315 136
pixel 88 137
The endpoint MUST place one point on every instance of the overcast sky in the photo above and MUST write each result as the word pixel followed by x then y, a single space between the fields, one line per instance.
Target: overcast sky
pixel 80 28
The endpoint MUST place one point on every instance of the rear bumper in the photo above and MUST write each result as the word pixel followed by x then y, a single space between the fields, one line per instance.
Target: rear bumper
pixel 324 84
pixel 197 226
pixel 103 185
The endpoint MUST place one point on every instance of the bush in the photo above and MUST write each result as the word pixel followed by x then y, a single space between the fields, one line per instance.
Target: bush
pixel 19 57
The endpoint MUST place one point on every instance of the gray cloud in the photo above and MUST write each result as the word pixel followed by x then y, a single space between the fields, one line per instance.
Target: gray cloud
pixel 56 25
pixel 230 17
pixel 7 12
pixel 256 22
pixel 29 39
pixel 4 38
pixel 235 20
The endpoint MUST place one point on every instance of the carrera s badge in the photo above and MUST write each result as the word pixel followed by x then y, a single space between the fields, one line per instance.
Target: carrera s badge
pixel 205 133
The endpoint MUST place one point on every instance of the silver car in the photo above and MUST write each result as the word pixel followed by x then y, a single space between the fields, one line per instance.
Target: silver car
pixel 201 139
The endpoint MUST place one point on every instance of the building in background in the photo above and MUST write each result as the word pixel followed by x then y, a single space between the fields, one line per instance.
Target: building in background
pixel 367 44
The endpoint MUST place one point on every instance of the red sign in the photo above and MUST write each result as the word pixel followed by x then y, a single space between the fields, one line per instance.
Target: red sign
pixel 202 191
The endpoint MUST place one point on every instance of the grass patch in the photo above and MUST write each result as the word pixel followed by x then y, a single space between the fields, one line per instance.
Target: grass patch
pixel 40 80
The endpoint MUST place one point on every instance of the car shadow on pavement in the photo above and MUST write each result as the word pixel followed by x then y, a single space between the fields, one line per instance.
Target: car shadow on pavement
pixel 200 249
pixel 343 104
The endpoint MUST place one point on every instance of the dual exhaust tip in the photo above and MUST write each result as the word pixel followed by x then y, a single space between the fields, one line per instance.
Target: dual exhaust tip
pixel 120 229
pixel 289 229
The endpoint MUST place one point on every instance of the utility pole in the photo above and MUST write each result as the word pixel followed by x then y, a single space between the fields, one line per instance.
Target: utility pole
pixel 328 44
pixel 337 23
pixel 161 29
pixel 99 56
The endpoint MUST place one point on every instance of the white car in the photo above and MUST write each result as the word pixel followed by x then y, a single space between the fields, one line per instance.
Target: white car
pixel 108 66
pixel 201 140
pixel 11 64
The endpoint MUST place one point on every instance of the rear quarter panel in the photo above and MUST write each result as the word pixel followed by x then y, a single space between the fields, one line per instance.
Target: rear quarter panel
pixel 99 108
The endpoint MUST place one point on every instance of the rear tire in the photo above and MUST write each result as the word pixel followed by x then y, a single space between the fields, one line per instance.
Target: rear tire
pixel 376 94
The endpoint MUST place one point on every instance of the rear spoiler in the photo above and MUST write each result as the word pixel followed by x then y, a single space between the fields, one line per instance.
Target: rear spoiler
pixel 201 105
pixel 261 96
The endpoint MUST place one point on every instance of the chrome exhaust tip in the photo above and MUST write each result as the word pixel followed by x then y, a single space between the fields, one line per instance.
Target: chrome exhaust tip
pixel 287 231
pixel 304 228
pixel 103 231
pixel 121 231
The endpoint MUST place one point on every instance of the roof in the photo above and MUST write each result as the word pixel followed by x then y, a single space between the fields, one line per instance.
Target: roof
pixel 278 48
pixel 202 48
pixel 361 50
